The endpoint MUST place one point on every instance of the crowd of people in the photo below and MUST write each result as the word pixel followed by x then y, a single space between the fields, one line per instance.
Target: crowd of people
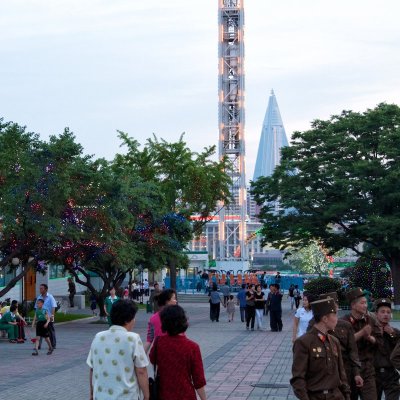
pixel 254 302
pixel 344 358
pixel 119 362
pixel 333 358
pixel 14 324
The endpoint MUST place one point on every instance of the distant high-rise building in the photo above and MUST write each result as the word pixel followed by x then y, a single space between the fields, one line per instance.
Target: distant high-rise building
pixel 273 138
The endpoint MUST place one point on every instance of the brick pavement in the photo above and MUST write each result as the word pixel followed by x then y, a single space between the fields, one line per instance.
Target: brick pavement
pixel 234 360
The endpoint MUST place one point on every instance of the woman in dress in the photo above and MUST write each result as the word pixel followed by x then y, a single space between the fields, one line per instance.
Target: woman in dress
pixel 302 317
pixel 178 359
pixel 110 300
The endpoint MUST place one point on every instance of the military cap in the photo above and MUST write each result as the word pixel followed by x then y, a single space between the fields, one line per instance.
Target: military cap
pixel 354 294
pixel 382 302
pixel 330 295
pixel 323 307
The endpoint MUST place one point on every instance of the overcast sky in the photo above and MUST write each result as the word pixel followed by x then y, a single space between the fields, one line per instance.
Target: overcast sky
pixel 145 66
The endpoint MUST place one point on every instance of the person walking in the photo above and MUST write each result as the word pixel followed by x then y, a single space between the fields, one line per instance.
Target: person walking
pixel 296 296
pixel 117 359
pixel 153 300
pixel 215 303
pixel 291 296
pixel 166 298
pixel 317 369
pixel 345 334
pixel 225 292
pixel 108 303
pixel 42 320
pixel 49 304
pixel 250 308
pixel 230 308
pixel 363 324
pixel 178 359
pixel 275 309
pixel 302 317
pixel 259 306
pixel 386 376
pixel 72 291
pixel 241 302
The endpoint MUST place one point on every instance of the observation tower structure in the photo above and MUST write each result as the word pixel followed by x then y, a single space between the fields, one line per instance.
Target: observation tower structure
pixel 231 249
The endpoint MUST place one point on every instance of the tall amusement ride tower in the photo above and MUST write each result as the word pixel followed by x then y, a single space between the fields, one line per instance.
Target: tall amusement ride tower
pixel 232 218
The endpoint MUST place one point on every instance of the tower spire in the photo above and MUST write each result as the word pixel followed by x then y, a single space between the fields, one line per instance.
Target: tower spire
pixel 273 138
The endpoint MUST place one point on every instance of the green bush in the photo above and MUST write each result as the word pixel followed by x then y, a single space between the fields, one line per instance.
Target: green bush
pixel 322 285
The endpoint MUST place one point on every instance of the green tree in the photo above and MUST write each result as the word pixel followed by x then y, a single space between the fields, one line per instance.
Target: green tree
pixel 35 185
pixel 310 260
pixel 191 183
pixel 338 183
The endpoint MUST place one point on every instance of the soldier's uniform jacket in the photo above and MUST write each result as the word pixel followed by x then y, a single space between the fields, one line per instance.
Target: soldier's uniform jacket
pixel 345 334
pixel 385 344
pixel 365 347
pixel 317 366
pixel 395 356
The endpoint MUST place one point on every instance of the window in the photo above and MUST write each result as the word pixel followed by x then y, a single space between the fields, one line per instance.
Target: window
pixel 56 271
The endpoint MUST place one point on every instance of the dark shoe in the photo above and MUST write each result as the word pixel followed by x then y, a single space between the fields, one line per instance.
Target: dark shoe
pixel 35 353
pixel 20 341
pixel 49 352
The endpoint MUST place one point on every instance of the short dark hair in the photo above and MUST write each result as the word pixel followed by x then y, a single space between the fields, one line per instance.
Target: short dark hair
pixel 14 302
pixel 165 296
pixel 13 308
pixel 40 300
pixel 44 285
pixel 123 312
pixel 243 286
pixel 173 320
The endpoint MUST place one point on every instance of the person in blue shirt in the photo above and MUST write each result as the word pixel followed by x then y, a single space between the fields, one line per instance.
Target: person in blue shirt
pixel 241 298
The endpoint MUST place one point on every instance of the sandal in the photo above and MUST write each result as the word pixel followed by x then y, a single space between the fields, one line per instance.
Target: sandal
pixel 12 341
pixel 35 353
pixel 49 352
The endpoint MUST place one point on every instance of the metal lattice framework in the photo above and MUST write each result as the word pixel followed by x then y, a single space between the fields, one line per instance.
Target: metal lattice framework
pixel 232 218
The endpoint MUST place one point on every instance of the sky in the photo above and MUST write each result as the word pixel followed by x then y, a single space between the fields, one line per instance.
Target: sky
pixel 151 66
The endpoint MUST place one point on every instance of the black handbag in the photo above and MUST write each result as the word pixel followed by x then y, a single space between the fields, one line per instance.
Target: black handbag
pixel 154 382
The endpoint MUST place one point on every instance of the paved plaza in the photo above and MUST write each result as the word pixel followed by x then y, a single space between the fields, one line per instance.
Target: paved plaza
pixel 239 364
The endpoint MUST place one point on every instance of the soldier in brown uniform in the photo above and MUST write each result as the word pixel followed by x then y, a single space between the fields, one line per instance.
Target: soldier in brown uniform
pixel 345 334
pixel 317 370
pixel 363 325
pixel 386 376
pixel 395 356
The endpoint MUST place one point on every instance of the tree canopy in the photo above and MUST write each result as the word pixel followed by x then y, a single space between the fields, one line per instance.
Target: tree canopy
pixel 338 183
pixel 91 215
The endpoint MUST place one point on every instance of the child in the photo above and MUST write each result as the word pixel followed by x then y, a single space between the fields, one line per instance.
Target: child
pixel 42 317
pixel 230 308
pixel 93 304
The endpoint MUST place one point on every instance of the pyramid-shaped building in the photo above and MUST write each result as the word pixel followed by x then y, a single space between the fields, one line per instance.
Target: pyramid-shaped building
pixel 273 138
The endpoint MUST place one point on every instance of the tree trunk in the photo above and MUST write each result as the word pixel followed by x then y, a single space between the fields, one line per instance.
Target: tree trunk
pixel 172 272
pixel 100 303
pixel 395 270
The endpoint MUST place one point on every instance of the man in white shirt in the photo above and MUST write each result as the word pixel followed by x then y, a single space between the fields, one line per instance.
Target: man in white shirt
pixel 117 359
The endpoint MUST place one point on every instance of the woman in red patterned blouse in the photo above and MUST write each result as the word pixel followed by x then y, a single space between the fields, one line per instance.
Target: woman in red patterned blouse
pixel 179 365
